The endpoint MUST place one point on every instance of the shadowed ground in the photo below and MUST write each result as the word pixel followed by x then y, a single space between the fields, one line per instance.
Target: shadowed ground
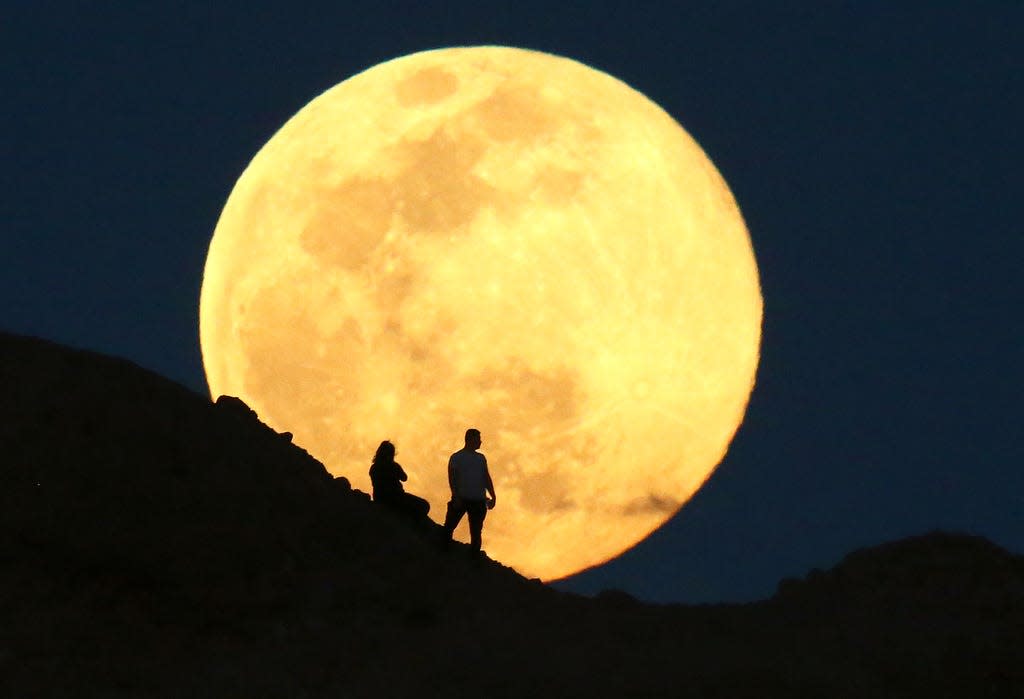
pixel 155 544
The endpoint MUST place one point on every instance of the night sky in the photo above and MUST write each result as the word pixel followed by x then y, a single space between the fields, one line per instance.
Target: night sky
pixel 874 153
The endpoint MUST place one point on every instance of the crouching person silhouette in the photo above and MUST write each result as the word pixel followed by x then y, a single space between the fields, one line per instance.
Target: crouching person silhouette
pixel 387 476
pixel 470 483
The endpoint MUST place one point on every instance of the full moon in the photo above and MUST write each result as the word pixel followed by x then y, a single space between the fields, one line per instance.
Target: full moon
pixel 503 239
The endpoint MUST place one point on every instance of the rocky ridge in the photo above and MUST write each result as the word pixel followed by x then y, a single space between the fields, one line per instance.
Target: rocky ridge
pixel 155 544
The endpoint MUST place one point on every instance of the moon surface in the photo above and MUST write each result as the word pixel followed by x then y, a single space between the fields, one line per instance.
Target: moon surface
pixel 503 239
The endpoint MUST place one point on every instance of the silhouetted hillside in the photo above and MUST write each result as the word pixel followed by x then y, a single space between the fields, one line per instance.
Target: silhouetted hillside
pixel 155 544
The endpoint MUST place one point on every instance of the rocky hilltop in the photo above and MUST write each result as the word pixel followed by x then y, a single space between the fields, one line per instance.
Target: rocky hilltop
pixel 155 544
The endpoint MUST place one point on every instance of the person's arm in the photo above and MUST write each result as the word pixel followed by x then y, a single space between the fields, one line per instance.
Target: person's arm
pixel 401 472
pixel 490 485
pixel 451 479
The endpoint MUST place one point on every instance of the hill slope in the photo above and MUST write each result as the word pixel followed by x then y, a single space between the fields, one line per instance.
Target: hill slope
pixel 155 544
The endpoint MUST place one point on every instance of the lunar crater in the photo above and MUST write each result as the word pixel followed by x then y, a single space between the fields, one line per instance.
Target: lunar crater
pixel 651 504
pixel 517 113
pixel 426 87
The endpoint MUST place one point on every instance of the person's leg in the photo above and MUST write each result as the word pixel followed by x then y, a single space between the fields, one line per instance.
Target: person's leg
pixel 415 506
pixel 452 518
pixel 477 511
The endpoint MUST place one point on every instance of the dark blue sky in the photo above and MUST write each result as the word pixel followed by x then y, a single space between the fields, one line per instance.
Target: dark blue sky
pixel 873 151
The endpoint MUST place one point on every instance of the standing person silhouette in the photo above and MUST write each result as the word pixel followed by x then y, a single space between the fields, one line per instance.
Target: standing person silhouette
pixel 470 482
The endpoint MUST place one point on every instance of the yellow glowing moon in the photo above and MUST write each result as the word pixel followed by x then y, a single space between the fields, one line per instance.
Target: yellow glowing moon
pixel 503 239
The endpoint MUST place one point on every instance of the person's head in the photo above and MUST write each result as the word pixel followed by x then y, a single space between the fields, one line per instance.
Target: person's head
pixel 385 453
pixel 473 440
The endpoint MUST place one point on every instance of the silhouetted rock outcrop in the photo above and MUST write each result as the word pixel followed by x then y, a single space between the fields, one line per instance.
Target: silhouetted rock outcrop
pixel 934 572
pixel 155 544
pixel 942 610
